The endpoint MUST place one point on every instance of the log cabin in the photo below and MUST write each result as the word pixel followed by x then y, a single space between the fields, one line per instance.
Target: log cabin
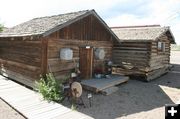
pixel 55 44
pixel 144 51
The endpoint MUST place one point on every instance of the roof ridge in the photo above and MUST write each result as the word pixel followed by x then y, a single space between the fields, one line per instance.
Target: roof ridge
pixel 67 13
pixel 137 26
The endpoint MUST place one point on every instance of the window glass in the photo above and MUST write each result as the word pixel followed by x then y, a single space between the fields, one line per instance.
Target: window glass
pixel 161 46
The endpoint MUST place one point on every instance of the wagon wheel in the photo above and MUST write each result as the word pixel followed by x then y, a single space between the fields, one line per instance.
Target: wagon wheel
pixel 76 91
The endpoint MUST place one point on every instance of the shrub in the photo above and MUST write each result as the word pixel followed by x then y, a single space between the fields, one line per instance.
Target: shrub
pixel 50 89
pixel 1 27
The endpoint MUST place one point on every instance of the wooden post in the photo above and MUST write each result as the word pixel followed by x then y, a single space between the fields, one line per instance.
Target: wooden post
pixel 44 42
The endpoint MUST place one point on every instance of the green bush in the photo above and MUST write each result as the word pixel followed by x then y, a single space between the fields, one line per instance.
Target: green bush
pixel 50 89
pixel 1 27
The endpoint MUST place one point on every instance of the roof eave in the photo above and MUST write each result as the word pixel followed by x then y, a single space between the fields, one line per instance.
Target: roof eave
pixel 137 40
pixel 18 35
pixel 173 38
pixel 168 29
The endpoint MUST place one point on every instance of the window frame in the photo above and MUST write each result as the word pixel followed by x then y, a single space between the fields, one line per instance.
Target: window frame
pixel 161 46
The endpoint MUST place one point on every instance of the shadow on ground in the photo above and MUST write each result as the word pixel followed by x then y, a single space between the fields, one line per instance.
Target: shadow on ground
pixel 171 79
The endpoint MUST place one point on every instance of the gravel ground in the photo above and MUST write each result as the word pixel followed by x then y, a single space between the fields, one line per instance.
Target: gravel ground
pixel 136 100
pixel 139 100
pixel 133 100
pixel 6 112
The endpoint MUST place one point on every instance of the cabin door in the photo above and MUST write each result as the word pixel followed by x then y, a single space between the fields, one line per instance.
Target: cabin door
pixel 86 62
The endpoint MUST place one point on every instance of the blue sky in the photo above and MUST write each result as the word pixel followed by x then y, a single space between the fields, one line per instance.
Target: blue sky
pixel 114 12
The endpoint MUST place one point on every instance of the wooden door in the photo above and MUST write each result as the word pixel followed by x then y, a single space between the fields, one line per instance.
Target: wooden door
pixel 86 62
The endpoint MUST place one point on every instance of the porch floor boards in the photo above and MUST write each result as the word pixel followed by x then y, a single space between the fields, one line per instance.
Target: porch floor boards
pixel 31 104
pixel 98 85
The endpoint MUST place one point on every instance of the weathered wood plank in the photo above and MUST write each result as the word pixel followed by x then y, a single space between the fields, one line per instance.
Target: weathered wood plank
pixel 51 113
pixel 101 84
pixel 31 105
pixel 130 48
pixel 19 77
pixel 20 58
pixel 72 115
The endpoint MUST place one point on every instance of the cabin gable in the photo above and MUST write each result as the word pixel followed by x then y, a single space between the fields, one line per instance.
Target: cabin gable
pixel 88 28
pixel 88 31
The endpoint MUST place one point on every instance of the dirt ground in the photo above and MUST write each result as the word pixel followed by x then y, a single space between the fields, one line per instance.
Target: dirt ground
pixel 6 112
pixel 133 100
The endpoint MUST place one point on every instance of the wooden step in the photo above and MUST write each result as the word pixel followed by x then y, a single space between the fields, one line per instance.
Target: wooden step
pixel 110 90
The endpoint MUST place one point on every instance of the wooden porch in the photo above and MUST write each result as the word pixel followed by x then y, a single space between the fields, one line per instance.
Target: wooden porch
pixel 104 85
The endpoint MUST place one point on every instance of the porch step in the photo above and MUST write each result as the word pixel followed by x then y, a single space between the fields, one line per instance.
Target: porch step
pixel 110 90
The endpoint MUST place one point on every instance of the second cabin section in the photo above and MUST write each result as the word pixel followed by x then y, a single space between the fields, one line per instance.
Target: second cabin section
pixel 144 51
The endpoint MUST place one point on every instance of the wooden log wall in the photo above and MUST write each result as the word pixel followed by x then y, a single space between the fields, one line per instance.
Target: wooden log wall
pixel 133 55
pixel 20 59
pixel 160 59
pixel 142 58
pixel 61 68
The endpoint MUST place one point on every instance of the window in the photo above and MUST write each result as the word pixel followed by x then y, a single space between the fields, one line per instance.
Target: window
pixel 161 46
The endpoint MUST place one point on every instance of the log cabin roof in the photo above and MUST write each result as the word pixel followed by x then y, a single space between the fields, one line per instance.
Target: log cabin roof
pixel 40 25
pixel 142 33
pixel 49 24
